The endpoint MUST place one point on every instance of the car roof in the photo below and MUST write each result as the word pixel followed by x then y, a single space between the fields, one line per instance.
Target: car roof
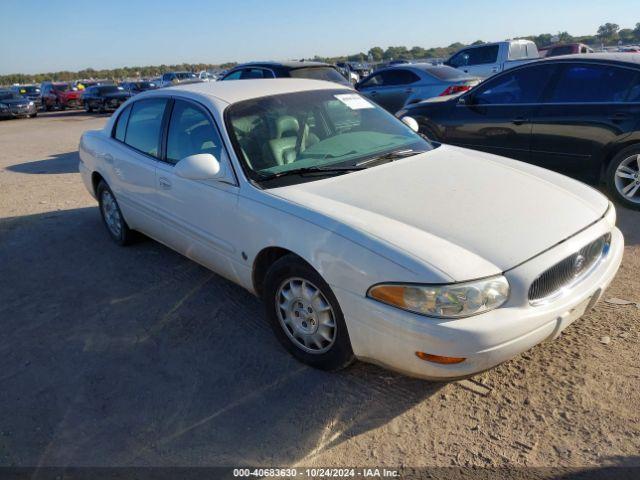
pixel 289 64
pixel 239 90
pixel 597 57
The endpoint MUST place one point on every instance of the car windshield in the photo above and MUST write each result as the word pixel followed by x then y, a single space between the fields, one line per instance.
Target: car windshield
pixel 318 73
pixel 185 75
pixel 29 89
pixel 328 131
pixel 63 87
pixel 8 95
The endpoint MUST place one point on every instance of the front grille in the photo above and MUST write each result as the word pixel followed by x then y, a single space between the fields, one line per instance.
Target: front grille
pixel 569 270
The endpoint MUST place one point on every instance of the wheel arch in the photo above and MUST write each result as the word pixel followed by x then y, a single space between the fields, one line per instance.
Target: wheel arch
pixel 264 260
pixel 614 150
pixel 96 177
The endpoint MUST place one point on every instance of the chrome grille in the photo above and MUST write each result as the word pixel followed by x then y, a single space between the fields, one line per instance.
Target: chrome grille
pixel 569 270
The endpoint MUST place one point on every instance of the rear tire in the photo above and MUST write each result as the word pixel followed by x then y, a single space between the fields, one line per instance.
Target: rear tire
pixel 87 107
pixel 112 217
pixel 305 315
pixel 623 177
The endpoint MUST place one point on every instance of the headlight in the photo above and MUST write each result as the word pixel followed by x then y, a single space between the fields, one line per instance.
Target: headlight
pixel 31 104
pixel 456 300
pixel 3 106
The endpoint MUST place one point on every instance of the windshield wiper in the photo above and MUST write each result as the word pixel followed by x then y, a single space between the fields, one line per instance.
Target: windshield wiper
pixel 391 156
pixel 302 171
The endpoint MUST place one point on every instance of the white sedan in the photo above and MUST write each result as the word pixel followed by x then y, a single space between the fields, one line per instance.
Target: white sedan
pixel 362 239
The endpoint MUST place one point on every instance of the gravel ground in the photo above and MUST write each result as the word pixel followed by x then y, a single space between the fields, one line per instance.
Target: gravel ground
pixel 138 356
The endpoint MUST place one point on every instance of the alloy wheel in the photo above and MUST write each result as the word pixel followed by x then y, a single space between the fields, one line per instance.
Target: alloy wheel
pixel 627 178
pixel 111 213
pixel 306 316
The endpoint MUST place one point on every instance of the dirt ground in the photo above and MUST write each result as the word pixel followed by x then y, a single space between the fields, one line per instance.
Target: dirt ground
pixel 138 356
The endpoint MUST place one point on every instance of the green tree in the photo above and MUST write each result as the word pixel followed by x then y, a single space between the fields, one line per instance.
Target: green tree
pixel 636 32
pixel 627 35
pixel 608 32
pixel 376 53
pixel 564 37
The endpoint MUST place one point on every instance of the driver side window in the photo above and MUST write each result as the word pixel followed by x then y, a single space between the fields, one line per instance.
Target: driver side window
pixel 524 85
pixel 190 133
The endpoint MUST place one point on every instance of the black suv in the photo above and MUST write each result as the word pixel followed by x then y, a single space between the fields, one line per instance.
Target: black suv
pixel 576 114
pixel 310 70
pixel 104 97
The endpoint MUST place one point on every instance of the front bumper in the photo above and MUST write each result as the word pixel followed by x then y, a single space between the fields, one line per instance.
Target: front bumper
pixel 390 337
pixel 17 112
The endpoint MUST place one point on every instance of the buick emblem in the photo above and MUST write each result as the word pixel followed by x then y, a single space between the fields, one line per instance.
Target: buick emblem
pixel 578 264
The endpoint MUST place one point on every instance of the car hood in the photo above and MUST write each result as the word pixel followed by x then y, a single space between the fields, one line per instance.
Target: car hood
pixel 467 213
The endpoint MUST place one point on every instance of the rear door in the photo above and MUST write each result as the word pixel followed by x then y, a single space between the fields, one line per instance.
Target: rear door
pixel 133 159
pixel 495 117
pixel 589 106
pixel 390 88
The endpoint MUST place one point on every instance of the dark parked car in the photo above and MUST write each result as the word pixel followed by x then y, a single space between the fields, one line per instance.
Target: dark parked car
pixel 133 88
pixel 577 114
pixel 13 105
pixel 103 98
pixel 312 70
pixel 394 87
pixel 32 92
pixel 565 49
pixel 59 96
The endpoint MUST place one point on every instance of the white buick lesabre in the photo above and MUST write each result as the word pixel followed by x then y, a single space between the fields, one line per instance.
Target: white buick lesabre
pixel 363 239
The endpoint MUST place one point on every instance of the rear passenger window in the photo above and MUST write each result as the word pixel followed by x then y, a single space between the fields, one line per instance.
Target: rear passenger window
pixel 190 133
pixel 398 77
pixel 144 126
pixel 121 125
pixel 592 84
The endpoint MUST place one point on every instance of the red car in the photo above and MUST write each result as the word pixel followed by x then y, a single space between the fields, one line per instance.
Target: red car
pixel 565 49
pixel 59 96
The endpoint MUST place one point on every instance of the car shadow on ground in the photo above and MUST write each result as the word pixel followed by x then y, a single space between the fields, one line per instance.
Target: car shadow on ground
pixel 55 164
pixel 138 356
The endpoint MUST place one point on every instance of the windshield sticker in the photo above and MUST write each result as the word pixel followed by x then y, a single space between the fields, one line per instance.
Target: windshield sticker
pixel 354 101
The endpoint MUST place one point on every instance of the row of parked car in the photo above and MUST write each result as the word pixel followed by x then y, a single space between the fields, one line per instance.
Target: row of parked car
pixel 576 114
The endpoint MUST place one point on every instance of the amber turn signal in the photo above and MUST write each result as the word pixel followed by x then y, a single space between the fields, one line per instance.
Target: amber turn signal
pixel 439 359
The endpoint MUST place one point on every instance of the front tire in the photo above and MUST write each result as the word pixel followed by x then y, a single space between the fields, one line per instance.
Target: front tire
pixel 112 216
pixel 305 315
pixel 623 177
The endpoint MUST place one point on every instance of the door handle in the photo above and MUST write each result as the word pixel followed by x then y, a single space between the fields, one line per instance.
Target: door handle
pixel 108 158
pixel 519 120
pixel 409 90
pixel 164 183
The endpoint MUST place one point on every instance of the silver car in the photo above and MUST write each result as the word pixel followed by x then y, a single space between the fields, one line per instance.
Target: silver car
pixel 399 85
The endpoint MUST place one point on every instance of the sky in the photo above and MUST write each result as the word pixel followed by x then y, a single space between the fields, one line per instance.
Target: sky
pixel 52 35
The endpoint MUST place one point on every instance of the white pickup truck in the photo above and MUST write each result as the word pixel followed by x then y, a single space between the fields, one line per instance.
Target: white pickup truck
pixel 487 59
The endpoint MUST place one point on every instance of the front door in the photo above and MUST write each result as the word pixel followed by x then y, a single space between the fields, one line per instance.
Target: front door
pixel 496 117
pixel 200 216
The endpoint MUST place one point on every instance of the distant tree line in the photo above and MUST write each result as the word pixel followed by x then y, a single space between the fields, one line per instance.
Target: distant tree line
pixel 607 34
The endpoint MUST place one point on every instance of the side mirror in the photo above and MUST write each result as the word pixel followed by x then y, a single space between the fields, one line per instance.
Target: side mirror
pixel 201 166
pixel 411 123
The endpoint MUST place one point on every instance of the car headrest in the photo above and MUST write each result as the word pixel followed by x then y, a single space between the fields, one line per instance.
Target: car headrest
pixel 287 126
